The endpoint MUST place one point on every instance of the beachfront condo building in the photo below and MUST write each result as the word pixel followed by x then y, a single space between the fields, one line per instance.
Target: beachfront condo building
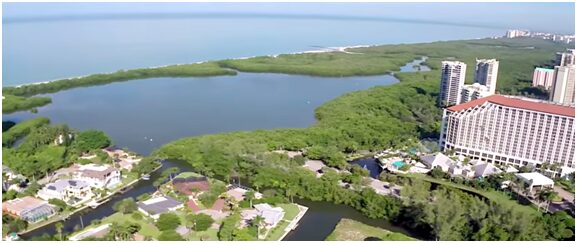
pixel 543 77
pixel 452 81
pixel 563 89
pixel 473 92
pixel 510 130
pixel 486 72
pixel 565 58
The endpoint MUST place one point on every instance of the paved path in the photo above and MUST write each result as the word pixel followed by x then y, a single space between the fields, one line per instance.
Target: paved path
pixel 564 194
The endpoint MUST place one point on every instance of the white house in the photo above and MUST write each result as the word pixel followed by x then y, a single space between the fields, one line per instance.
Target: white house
pixel 98 176
pixel 271 215
pixel 438 160
pixel 536 179
pixel 72 192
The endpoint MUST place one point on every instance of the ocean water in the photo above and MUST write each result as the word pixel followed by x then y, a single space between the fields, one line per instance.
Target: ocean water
pixel 35 51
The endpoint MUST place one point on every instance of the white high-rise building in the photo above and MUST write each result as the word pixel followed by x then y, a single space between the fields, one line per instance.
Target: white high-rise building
pixel 543 77
pixel 486 72
pixel 452 81
pixel 511 131
pixel 473 92
pixel 565 58
pixel 563 88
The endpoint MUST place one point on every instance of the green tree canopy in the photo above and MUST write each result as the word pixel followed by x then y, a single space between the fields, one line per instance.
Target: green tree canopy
pixel 168 221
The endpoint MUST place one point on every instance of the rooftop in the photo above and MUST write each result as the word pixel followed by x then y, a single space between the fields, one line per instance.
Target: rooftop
pixel 159 205
pixel 520 103
pixel 536 178
pixel 61 185
pixel 22 204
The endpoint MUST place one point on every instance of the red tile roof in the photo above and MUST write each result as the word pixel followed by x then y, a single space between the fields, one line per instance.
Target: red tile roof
pixel 218 205
pixel 518 103
pixel 193 206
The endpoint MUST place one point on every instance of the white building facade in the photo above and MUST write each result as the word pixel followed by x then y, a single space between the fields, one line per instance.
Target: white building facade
pixel 452 81
pixel 473 92
pixel 543 77
pixel 486 72
pixel 563 88
pixel 511 131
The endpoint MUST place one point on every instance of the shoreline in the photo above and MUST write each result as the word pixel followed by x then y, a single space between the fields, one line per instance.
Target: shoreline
pixel 320 50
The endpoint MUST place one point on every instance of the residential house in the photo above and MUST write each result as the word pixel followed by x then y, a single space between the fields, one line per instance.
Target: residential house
pixel 483 169
pixel 122 158
pixel 98 176
pixel 155 206
pixel 272 216
pixel 191 184
pixel 72 192
pixel 29 209
pixel 438 160
pixel 535 179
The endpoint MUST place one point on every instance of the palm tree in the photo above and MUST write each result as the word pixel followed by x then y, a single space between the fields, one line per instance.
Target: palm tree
pixel 59 226
pixel 249 195
pixel 257 221
pixel 547 195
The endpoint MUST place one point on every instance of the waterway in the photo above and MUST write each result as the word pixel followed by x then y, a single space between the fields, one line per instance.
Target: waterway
pixel 322 217
pixel 144 114
pixel 193 106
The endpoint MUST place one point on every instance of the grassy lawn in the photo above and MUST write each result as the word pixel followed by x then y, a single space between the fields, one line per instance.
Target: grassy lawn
pixel 350 230
pixel 277 232
pixel 495 196
pixel 209 234
pixel 290 210
pixel 148 228
pixel 187 174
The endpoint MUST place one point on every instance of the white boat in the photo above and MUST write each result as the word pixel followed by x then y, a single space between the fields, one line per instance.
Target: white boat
pixel 146 177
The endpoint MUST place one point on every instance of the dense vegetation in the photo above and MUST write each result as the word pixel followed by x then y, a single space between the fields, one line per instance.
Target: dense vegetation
pixel 22 129
pixel 12 103
pixel 350 230
pixel 381 117
pixel 185 70
pixel 46 148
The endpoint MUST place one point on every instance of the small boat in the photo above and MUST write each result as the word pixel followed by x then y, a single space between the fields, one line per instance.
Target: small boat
pixel 146 177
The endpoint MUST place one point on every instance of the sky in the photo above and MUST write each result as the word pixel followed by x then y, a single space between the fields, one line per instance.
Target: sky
pixel 551 17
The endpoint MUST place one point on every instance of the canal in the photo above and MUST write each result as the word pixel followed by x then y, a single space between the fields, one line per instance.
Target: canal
pixel 317 224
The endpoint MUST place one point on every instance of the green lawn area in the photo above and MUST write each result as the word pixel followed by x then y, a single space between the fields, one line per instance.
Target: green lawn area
pixel 277 231
pixel 209 234
pixel 187 174
pixel 350 230
pixel 495 196
pixel 148 228
pixel 290 210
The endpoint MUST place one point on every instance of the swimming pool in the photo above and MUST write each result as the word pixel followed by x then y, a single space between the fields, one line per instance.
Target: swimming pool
pixel 398 164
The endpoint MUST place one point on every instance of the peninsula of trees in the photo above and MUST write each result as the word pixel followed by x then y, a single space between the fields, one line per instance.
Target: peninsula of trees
pixel 516 55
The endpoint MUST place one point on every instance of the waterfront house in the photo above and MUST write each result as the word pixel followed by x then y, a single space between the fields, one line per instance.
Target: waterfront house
pixel 28 208
pixel 123 159
pixel 438 160
pixel 272 215
pixel 73 192
pixel 155 206
pixel 98 176
pixel 190 185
